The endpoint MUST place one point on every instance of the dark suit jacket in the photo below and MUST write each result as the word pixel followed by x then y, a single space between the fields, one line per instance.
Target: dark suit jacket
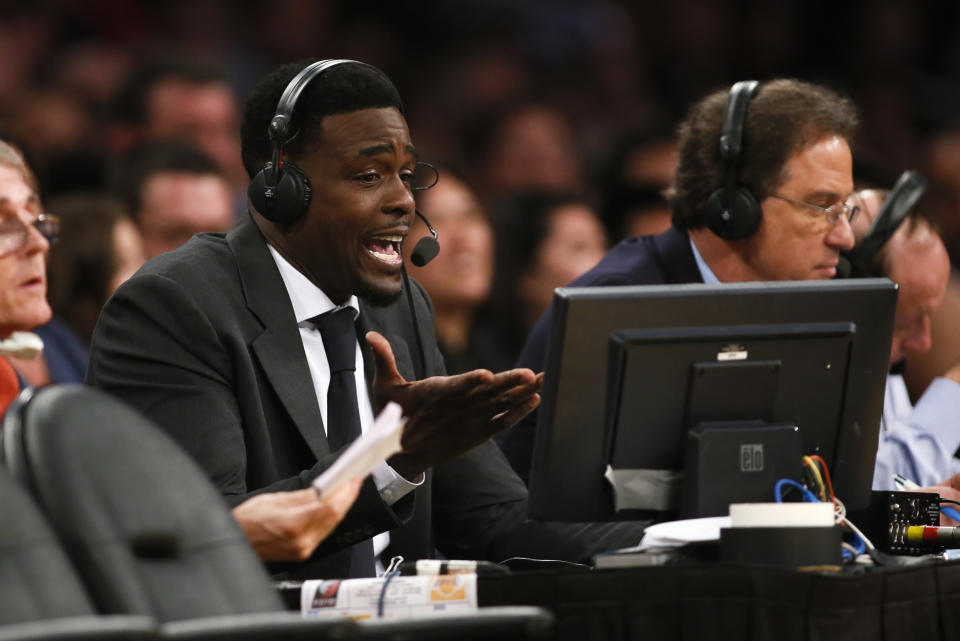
pixel 203 340
pixel 644 260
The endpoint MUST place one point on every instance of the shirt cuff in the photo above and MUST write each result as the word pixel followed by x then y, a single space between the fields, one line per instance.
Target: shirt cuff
pixel 392 486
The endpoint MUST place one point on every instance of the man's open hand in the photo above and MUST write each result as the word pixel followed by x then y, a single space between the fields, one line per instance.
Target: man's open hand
pixel 448 415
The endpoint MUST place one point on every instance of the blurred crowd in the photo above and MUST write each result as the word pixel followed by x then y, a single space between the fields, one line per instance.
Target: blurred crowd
pixel 552 125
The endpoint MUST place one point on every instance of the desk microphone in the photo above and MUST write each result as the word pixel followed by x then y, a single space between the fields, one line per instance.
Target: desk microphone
pixel 427 247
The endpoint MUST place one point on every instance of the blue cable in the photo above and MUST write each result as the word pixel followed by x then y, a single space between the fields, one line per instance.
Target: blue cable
pixel 858 543
pixel 861 546
pixel 808 496
pixel 383 591
pixel 951 512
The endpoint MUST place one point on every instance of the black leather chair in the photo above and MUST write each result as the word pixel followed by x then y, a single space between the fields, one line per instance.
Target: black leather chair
pixel 144 527
pixel 517 623
pixel 41 596
pixel 150 534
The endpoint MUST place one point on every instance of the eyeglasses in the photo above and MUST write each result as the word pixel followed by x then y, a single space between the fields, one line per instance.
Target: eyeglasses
pixel 14 231
pixel 833 213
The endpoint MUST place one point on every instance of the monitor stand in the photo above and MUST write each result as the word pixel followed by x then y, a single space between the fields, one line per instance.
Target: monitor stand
pixel 736 462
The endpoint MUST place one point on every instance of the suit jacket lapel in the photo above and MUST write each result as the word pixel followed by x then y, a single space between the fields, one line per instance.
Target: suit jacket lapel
pixel 278 347
pixel 373 318
pixel 369 363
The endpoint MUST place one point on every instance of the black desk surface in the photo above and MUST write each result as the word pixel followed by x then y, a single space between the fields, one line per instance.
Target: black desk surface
pixel 717 601
pixel 709 601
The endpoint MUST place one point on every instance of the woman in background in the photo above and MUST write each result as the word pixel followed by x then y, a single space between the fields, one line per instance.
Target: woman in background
pixel 544 240
pixel 459 278
pixel 98 248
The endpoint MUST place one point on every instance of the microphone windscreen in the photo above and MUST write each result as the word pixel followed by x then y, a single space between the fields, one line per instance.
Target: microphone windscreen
pixel 426 249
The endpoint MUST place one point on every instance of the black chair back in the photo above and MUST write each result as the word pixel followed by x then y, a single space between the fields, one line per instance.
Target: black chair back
pixel 41 596
pixel 36 578
pixel 145 528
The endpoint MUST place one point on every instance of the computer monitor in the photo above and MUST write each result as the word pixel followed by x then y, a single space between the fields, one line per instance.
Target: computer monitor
pixel 630 371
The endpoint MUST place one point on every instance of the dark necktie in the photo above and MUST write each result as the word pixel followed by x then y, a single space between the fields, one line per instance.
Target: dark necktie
pixel 340 342
pixel 337 328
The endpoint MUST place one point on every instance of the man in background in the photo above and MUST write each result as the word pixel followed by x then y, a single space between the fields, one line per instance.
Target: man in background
pixel 916 441
pixel 169 98
pixel 775 209
pixel 25 235
pixel 172 190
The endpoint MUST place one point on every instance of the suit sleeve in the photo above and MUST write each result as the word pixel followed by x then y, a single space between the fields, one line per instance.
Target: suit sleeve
pixel 517 444
pixel 158 350
pixel 480 512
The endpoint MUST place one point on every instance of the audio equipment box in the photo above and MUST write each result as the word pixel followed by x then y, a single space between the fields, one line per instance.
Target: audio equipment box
pixel 886 519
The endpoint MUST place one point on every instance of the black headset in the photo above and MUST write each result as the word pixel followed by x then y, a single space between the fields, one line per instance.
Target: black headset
pixel 898 203
pixel 281 191
pixel 732 211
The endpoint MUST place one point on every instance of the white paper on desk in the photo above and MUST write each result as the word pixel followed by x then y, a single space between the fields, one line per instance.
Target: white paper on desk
pixel 372 448
pixel 672 534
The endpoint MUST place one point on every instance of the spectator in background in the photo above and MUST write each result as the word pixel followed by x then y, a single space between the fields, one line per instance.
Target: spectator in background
pixel 635 210
pixel 544 240
pixel 188 100
pixel 99 248
pixel 916 441
pixel 942 201
pixel 173 191
pixel 632 182
pixel 60 357
pixel 58 136
pixel 23 251
pixel 520 146
pixel 460 277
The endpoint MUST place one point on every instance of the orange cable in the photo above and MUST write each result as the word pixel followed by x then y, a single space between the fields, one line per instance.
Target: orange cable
pixel 826 474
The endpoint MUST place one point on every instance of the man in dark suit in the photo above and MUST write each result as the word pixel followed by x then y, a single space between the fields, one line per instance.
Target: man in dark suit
pixel 773 209
pixel 219 342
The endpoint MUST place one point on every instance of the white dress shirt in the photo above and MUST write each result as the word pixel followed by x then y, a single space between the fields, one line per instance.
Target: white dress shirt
pixel 308 302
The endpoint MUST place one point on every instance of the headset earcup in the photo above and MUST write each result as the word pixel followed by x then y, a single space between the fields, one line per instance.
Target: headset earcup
pixel 255 190
pixel 738 220
pixel 289 199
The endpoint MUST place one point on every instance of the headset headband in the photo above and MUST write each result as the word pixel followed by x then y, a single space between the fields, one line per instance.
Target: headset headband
pixel 279 129
pixel 283 194
pixel 898 203
pixel 731 137
pixel 734 118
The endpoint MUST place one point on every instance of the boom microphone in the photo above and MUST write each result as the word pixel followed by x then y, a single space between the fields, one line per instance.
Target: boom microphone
pixel 427 247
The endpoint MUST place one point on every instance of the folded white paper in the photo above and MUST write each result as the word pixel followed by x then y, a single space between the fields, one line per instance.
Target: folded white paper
pixel 372 448
pixel 671 534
